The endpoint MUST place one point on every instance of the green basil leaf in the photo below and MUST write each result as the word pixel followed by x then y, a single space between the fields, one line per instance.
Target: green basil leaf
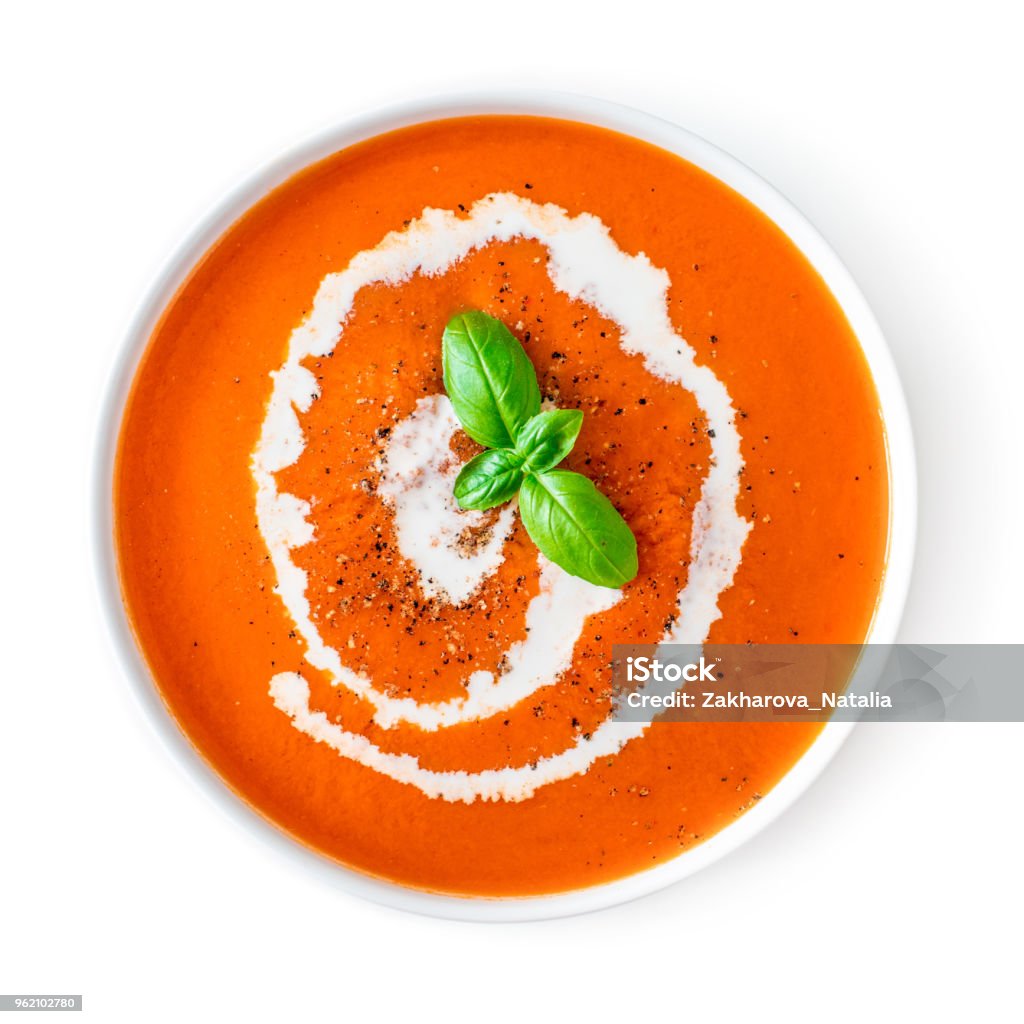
pixel 489 479
pixel 578 528
pixel 547 438
pixel 489 378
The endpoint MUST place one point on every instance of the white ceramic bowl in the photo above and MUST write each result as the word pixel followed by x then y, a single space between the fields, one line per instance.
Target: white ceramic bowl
pixel 728 170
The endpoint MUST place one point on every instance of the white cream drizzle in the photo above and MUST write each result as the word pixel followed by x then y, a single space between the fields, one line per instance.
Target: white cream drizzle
pixel 586 264
pixel 418 475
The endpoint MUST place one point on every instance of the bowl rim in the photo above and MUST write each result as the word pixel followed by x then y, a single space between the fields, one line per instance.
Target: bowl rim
pixel 546 103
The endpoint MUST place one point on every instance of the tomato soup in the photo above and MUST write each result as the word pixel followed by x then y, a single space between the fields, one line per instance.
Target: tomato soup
pixel 412 689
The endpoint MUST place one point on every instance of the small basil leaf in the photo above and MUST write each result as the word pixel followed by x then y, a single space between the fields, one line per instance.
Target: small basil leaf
pixel 489 479
pixel 578 528
pixel 489 378
pixel 547 438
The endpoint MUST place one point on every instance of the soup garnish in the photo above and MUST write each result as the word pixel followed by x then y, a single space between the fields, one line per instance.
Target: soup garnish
pixel 493 389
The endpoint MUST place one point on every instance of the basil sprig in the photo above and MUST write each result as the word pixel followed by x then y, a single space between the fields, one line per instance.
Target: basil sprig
pixel 493 389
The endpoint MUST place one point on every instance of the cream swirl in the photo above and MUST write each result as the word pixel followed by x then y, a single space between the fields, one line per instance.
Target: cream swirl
pixel 585 263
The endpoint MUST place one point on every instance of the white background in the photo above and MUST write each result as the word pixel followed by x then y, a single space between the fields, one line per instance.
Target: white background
pixel 890 889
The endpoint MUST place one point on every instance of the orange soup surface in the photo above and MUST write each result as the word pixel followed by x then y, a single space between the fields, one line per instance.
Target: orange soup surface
pixel 291 615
